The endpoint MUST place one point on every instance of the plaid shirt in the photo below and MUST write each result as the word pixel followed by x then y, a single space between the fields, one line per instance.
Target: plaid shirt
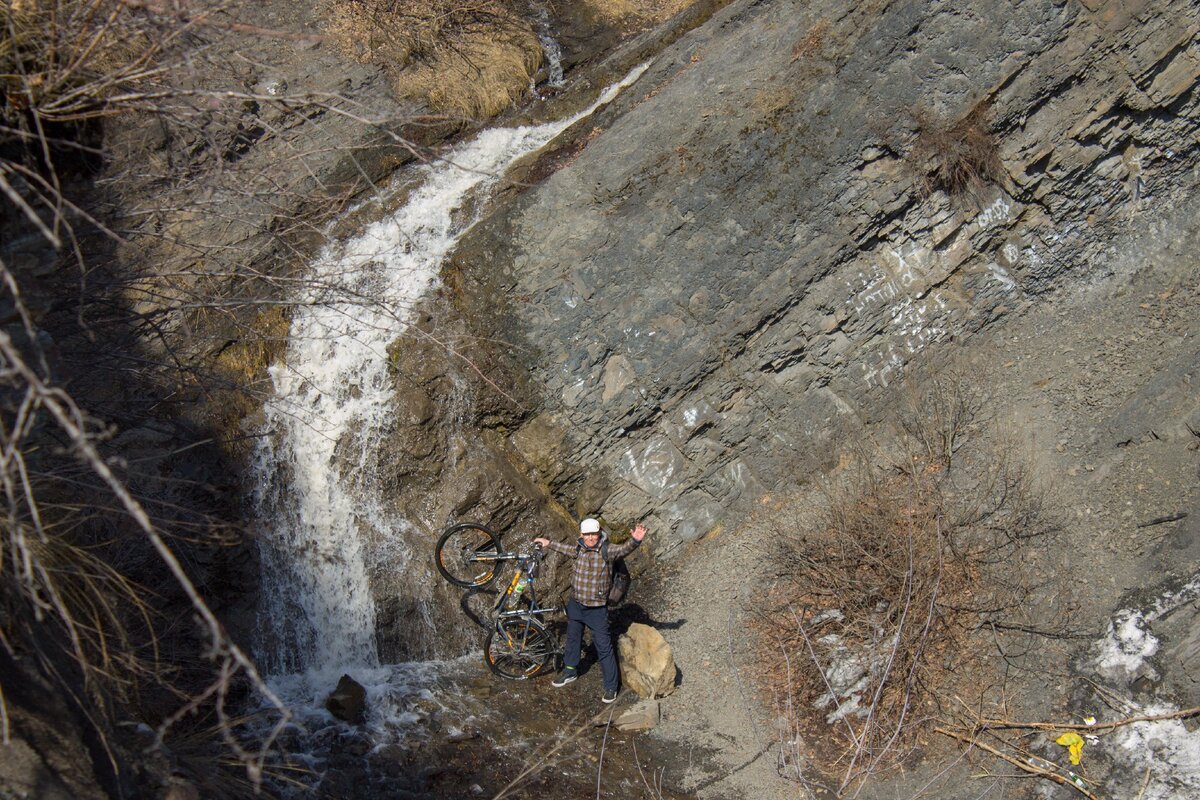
pixel 592 574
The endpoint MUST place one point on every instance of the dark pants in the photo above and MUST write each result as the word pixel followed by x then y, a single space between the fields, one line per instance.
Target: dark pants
pixel 596 618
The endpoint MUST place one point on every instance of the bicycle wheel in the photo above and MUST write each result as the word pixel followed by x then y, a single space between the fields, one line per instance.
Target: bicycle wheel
pixel 519 648
pixel 465 554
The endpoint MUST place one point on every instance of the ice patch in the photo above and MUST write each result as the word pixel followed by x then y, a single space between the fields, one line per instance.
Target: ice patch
pixel 1121 655
pixel 1162 753
pixel 1167 749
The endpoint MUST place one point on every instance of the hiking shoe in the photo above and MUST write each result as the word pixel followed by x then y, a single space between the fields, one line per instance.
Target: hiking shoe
pixel 610 696
pixel 565 677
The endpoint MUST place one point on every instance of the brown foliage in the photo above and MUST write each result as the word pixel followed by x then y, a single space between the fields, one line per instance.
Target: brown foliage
pixel 470 59
pixel 958 157
pixel 880 592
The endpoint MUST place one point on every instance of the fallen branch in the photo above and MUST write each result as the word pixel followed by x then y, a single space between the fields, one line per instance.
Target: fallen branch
pixel 1145 783
pixel 1178 515
pixel 1020 764
pixel 986 724
pixel 603 744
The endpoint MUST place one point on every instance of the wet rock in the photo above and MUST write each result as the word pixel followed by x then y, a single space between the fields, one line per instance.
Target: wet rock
pixel 348 702
pixel 647 665
pixel 357 746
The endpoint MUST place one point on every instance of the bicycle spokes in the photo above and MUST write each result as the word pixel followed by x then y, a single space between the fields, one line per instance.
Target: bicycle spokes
pixel 519 648
pixel 467 555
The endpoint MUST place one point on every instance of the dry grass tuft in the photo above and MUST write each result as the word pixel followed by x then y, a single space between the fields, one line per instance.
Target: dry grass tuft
pixel 465 59
pixel 479 80
pixel 959 158
pixel 629 14
pixel 66 582
pixel 812 42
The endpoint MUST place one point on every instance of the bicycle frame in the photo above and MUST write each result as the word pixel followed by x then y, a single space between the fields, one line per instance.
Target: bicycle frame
pixel 522 643
pixel 527 569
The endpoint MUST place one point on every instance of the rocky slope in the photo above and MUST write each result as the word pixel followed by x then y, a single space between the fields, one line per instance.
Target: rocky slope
pixel 697 301
pixel 732 274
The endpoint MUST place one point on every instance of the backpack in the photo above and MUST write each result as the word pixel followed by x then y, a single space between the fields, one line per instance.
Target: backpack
pixel 618 590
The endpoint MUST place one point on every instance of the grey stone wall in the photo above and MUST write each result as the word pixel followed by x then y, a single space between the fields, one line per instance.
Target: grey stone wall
pixel 742 263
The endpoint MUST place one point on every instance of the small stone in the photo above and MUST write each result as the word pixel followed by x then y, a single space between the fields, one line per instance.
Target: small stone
pixel 639 717
pixel 348 702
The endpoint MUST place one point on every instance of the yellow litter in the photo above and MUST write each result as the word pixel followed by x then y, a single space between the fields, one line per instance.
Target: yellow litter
pixel 1074 744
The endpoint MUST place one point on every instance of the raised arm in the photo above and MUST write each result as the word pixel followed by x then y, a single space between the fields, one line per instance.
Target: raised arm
pixel 625 548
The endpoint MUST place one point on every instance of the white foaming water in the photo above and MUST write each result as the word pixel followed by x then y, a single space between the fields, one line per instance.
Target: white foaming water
pixel 317 504
pixel 550 47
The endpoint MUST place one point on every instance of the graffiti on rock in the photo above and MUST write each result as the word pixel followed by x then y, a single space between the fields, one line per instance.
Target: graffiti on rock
pixel 912 317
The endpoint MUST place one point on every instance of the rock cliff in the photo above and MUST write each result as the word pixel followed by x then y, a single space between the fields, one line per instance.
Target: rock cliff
pixel 755 243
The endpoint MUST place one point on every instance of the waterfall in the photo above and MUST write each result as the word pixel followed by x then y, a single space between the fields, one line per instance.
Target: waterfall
pixel 550 48
pixel 316 503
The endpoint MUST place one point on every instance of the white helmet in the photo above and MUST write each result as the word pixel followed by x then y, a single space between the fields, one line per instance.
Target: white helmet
pixel 589 525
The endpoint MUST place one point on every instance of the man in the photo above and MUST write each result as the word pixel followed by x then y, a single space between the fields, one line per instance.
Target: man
pixel 588 605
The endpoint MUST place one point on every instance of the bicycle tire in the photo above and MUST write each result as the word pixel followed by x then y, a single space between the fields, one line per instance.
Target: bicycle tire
pixel 519 648
pixel 454 549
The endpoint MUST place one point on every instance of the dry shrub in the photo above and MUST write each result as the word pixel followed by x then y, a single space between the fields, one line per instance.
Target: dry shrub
pixel 64 64
pixel 88 563
pixel 65 59
pixel 881 591
pixel 467 59
pixel 630 14
pixel 960 157
pixel 477 81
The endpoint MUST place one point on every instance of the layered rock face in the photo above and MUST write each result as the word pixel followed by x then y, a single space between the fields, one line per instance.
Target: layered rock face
pixel 756 243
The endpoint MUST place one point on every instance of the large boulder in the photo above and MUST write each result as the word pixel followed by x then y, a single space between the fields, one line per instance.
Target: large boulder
pixel 647 665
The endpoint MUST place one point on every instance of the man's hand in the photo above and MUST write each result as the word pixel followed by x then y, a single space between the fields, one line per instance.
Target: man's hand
pixel 542 541
pixel 639 532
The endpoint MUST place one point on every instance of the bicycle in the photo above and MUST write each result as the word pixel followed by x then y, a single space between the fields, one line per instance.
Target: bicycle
pixel 520 644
